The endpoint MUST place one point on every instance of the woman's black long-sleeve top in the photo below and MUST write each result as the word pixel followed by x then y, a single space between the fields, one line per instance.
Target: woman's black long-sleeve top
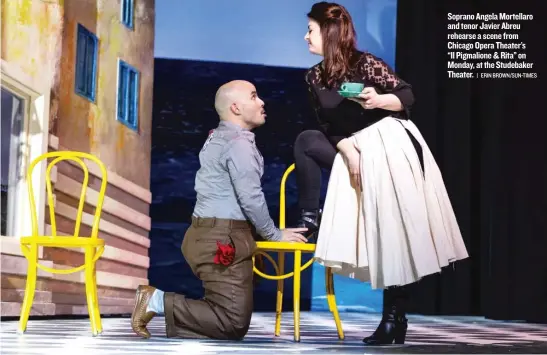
pixel 339 117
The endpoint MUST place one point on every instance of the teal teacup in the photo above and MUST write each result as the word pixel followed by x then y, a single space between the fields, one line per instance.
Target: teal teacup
pixel 352 87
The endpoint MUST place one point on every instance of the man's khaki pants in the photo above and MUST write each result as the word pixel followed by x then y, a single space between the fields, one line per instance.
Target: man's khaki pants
pixel 226 308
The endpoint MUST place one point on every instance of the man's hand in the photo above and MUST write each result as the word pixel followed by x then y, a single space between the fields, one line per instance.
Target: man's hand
pixel 293 235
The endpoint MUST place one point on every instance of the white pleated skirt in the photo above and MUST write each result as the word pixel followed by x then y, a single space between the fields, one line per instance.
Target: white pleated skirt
pixel 401 226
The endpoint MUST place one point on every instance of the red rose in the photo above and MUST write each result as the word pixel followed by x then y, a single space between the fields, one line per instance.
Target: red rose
pixel 225 254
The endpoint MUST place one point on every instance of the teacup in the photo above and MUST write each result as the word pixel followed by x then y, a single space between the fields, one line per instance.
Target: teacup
pixel 352 87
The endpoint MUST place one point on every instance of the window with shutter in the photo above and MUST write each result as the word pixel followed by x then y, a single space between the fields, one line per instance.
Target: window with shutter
pixel 127 12
pixel 128 95
pixel 86 63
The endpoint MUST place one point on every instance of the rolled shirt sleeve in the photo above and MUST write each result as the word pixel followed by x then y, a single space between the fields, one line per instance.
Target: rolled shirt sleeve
pixel 244 166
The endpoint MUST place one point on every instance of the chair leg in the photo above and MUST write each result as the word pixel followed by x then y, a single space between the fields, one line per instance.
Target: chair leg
pixel 331 299
pixel 96 309
pixel 89 289
pixel 296 293
pixel 280 286
pixel 32 274
pixel 98 322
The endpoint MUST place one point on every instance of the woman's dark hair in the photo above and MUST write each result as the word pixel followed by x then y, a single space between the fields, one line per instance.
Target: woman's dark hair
pixel 339 39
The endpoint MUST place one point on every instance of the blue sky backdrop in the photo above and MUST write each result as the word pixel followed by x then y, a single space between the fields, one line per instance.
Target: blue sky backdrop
pixel 268 32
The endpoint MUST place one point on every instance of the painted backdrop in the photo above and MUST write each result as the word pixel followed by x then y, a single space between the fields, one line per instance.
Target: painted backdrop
pixel 199 46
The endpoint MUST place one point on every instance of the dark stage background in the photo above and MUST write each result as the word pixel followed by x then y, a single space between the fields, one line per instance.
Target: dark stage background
pixel 489 141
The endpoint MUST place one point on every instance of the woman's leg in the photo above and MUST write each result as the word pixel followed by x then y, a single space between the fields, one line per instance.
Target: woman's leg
pixel 393 327
pixel 312 151
pixel 394 324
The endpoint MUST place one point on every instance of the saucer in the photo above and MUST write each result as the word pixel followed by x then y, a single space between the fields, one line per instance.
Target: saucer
pixel 349 93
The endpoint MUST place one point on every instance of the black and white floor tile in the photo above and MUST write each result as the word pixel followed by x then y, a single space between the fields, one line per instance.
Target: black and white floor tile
pixel 318 336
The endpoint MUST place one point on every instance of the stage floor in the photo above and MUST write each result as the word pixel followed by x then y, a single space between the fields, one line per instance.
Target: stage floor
pixel 318 336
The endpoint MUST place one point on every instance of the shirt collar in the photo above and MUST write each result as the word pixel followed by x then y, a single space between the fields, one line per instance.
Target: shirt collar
pixel 232 127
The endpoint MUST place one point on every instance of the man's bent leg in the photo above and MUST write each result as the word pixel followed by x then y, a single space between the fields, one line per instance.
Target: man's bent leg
pixel 226 309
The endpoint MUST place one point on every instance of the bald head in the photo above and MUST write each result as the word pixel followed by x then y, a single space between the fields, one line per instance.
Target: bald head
pixel 231 93
pixel 238 102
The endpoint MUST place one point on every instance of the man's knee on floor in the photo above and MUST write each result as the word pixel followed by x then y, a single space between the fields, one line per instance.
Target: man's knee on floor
pixel 240 324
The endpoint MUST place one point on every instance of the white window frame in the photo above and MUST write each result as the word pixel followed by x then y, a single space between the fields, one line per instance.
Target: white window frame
pixel 34 142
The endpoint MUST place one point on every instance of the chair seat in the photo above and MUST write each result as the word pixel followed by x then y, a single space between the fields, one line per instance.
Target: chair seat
pixel 63 241
pixel 286 246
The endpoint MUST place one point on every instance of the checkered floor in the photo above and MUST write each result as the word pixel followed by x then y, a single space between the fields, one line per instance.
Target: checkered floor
pixel 318 333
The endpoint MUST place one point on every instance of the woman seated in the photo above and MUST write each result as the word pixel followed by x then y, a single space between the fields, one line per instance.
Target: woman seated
pixel 387 217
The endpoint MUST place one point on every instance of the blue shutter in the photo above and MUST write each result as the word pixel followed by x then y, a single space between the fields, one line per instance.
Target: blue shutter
pixel 90 67
pixel 127 9
pixel 127 13
pixel 132 99
pixel 122 89
pixel 80 63
pixel 128 93
pixel 86 63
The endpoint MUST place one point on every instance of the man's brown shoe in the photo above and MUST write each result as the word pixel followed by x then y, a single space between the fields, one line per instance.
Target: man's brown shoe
pixel 140 318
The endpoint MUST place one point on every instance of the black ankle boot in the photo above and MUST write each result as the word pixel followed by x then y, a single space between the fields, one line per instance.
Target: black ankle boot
pixel 392 329
pixel 309 219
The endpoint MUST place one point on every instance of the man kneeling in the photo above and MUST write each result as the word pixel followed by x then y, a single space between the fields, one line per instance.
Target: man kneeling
pixel 219 243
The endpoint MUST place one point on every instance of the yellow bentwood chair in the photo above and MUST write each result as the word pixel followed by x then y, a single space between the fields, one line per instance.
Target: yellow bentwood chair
pixel 297 248
pixel 93 246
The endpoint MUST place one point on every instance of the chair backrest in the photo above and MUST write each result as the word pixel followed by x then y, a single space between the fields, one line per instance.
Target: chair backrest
pixel 282 196
pixel 78 158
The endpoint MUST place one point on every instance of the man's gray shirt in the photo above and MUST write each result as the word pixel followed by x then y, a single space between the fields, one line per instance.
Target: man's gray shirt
pixel 228 183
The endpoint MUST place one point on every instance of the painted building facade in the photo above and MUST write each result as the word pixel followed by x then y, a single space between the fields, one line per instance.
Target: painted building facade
pixel 77 75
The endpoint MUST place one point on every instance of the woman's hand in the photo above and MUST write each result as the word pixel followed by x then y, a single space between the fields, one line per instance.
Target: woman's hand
pixel 353 161
pixel 352 156
pixel 369 99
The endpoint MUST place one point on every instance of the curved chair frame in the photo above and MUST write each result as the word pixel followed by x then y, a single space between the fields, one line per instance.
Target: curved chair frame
pixel 297 248
pixel 93 246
